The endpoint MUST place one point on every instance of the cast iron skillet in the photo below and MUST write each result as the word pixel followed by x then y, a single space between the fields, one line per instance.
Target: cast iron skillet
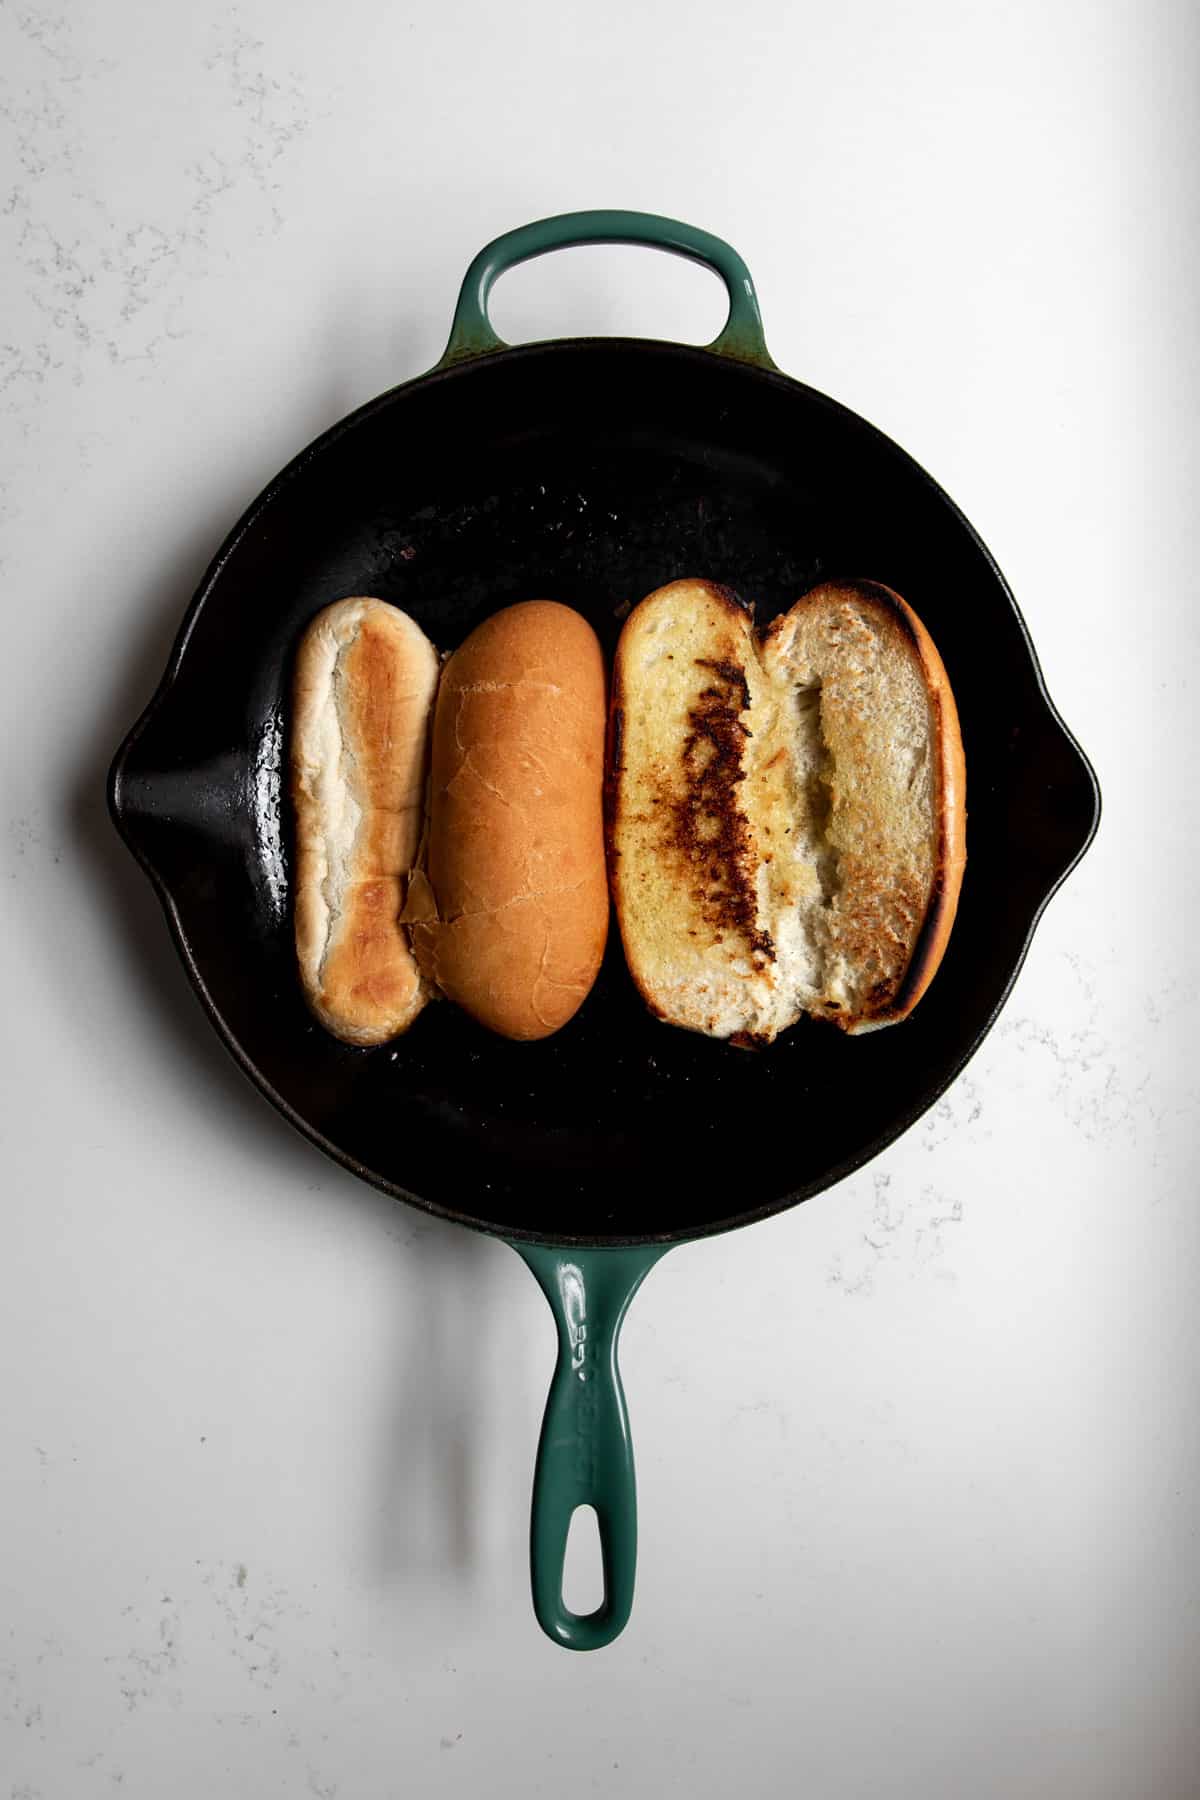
pixel 591 471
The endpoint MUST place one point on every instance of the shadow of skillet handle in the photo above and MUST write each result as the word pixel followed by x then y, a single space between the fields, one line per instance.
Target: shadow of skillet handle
pixel 585 1457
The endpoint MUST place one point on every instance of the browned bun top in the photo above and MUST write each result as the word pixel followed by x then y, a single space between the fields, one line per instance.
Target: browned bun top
pixel 513 916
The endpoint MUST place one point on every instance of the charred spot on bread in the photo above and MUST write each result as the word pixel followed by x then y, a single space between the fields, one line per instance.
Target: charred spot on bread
pixel 708 826
pixel 735 675
pixel 616 738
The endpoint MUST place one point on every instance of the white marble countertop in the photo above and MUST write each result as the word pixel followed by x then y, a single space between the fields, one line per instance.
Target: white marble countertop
pixel 917 1460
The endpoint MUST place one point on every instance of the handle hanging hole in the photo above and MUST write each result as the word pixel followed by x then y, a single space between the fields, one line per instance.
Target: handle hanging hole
pixel 583 1564
pixel 609 290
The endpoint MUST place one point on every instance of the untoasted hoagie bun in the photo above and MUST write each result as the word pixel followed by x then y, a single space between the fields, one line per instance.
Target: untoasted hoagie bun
pixel 786 817
pixel 362 695
pixel 510 916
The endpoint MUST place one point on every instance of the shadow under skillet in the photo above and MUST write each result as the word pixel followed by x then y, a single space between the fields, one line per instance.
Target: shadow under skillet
pixel 424 1481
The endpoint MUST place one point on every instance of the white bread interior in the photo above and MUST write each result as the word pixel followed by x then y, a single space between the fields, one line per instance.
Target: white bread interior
pixel 363 693
pixel 786 818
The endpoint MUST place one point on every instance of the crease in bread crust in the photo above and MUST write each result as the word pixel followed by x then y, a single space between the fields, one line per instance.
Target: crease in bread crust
pixel 830 794
pixel 362 695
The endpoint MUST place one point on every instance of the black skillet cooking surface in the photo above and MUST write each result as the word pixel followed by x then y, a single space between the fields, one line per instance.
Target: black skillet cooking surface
pixel 590 472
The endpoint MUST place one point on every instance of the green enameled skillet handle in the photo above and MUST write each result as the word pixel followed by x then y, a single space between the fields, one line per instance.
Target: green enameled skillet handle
pixel 585 1457
pixel 471 333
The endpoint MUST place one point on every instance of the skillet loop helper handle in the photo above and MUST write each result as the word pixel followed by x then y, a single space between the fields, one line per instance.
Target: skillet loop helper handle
pixel 585 1457
pixel 742 337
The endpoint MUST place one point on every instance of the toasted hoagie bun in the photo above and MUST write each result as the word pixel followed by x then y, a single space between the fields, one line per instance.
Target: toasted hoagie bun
pixel 362 696
pixel 786 817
